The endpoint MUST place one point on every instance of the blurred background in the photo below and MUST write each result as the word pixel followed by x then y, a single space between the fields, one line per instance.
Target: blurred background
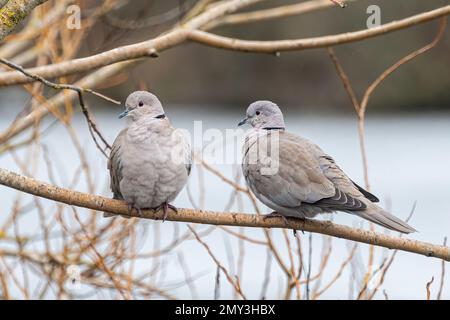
pixel 407 143
pixel 305 80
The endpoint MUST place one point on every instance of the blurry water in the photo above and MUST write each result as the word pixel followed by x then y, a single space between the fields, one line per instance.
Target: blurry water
pixel 409 158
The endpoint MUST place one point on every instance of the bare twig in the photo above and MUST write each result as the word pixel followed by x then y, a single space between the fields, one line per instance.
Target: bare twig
pixel 340 3
pixel 191 31
pixel 406 59
pixel 441 284
pixel 271 13
pixel 428 288
pixel 91 123
pixel 308 275
pixel 361 107
pixel 230 279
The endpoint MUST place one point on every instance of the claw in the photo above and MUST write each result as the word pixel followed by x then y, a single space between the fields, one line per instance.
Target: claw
pixel 165 207
pixel 166 211
pixel 130 209
pixel 172 207
pixel 276 215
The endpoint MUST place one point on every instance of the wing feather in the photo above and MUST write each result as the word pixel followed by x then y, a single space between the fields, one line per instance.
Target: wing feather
pixel 298 178
pixel 115 165
pixel 305 174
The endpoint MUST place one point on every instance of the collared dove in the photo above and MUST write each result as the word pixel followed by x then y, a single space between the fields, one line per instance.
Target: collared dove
pixel 294 177
pixel 150 161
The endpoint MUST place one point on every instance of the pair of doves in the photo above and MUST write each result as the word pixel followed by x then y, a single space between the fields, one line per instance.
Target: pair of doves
pixel 150 163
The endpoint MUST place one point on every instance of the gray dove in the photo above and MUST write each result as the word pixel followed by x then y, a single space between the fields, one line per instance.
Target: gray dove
pixel 294 177
pixel 150 161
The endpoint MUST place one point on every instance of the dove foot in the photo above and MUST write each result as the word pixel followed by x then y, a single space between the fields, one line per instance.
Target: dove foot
pixel 304 222
pixel 276 215
pixel 165 207
pixel 131 207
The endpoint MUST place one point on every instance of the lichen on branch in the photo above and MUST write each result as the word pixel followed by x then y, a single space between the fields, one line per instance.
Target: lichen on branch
pixel 13 12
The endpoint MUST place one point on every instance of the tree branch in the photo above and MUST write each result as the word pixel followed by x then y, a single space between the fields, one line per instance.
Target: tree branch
pixel 93 129
pixel 90 81
pixel 149 48
pixel 273 13
pixel 310 43
pixel 13 12
pixel 85 200
pixel 190 30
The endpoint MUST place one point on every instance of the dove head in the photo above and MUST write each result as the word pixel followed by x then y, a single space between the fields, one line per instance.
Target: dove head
pixel 141 104
pixel 264 115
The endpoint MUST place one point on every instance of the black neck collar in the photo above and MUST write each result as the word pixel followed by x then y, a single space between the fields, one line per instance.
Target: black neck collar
pixel 273 128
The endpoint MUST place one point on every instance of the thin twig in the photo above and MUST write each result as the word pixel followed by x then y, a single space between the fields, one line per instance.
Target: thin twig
pixel 91 123
pixel 340 3
pixel 308 275
pixel 428 288
pixel 234 283
pixel 441 285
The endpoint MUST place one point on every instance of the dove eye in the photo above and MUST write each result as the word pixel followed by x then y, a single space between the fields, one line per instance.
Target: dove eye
pixel 141 103
pixel 258 113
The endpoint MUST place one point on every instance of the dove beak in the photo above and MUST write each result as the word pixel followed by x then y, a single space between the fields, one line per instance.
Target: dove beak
pixel 123 114
pixel 243 121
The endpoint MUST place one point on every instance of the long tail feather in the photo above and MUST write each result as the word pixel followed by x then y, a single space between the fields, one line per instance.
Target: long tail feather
pixel 383 218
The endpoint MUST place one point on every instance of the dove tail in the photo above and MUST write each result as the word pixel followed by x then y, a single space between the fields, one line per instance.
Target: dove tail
pixel 383 218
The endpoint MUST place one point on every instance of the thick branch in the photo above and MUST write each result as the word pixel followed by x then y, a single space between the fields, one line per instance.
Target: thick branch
pixel 148 48
pixel 143 49
pixel 13 12
pixel 190 30
pixel 80 199
pixel 310 43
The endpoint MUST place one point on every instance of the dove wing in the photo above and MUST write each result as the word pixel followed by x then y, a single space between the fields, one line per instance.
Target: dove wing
pixel 115 164
pixel 183 152
pixel 346 191
pixel 188 156
pixel 298 178
pixel 366 193
pixel 305 174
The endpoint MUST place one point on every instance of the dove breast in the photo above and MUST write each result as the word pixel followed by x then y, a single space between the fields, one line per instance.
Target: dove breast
pixel 153 161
